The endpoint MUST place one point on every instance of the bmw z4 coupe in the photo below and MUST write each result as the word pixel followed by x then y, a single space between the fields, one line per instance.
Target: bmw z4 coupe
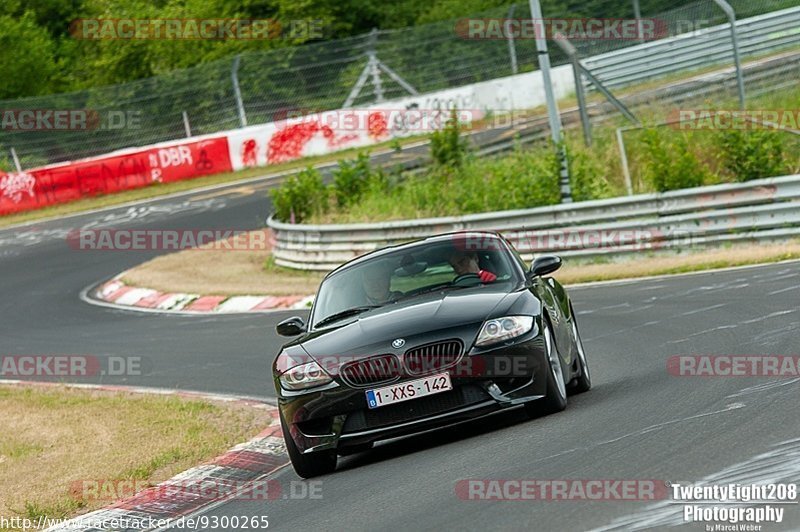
pixel 424 335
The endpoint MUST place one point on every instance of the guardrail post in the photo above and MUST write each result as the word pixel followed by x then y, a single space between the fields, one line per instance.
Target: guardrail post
pixel 16 159
pixel 512 48
pixel 552 107
pixel 637 14
pixel 572 53
pixel 186 125
pixel 377 86
pixel 236 92
pixel 624 159
pixel 731 14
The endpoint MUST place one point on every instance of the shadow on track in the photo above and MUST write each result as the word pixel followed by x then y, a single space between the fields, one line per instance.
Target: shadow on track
pixel 464 431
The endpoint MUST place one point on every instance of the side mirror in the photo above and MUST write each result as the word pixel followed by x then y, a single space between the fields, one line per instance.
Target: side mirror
pixel 544 265
pixel 291 327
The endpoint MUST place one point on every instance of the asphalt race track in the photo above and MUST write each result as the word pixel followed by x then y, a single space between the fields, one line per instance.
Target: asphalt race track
pixel 638 422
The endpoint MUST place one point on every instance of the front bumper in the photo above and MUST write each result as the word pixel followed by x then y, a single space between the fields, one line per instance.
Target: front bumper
pixel 486 381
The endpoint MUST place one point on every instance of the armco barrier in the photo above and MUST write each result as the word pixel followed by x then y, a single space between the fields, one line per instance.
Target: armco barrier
pixel 123 170
pixel 765 209
pixel 758 35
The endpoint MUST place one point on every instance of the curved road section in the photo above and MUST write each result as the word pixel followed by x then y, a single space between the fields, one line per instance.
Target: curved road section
pixel 654 420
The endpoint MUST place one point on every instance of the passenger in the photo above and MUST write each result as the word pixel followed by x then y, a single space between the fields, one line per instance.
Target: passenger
pixel 376 281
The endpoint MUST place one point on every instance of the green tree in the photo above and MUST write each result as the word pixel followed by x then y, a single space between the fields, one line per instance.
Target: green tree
pixel 448 147
pixel 27 57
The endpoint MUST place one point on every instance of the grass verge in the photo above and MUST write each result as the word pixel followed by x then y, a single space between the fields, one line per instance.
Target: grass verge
pixel 231 273
pixel 54 437
pixel 222 273
pixel 712 259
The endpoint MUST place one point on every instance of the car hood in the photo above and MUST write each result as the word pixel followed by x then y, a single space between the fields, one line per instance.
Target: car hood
pixel 417 320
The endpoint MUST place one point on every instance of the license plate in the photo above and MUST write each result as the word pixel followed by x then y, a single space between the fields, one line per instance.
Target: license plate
pixel 405 391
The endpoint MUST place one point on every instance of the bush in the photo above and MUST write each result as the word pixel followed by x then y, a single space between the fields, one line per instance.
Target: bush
pixel 528 178
pixel 672 165
pixel 586 176
pixel 350 180
pixel 300 197
pixel 448 147
pixel 752 154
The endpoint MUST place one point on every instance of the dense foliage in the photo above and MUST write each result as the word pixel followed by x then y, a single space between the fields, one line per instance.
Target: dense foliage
pixel 458 182
pixel 672 165
pixel 752 154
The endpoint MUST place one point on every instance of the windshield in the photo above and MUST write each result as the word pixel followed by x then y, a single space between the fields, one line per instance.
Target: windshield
pixel 408 272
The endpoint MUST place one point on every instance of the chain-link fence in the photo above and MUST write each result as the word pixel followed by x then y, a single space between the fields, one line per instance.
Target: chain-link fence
pixel 700 89
pixel 770 42
pixel 259 87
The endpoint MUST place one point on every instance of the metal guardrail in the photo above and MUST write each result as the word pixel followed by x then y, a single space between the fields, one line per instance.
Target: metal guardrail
pixel 757 35
pixel 763 76
pixel 765 209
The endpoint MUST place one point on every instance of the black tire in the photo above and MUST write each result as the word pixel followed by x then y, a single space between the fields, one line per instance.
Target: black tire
pixel 583 382
pixel 311 464
pixel 555 399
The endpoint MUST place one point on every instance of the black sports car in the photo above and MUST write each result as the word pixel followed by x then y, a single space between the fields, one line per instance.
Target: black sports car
pixel 423 335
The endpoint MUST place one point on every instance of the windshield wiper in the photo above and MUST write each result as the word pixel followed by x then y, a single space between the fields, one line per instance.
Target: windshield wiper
pixel 435 288
pixel 336 316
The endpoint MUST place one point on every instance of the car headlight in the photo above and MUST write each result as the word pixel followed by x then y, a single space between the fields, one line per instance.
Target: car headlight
pixel 505 328
pixel 304 376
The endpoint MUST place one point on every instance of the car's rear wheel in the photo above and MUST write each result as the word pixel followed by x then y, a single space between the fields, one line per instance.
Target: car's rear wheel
pixel 311 464
pixel 555 399
pixel 583 382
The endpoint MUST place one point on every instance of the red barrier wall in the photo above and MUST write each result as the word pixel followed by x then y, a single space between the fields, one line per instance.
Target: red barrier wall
pixel 40 187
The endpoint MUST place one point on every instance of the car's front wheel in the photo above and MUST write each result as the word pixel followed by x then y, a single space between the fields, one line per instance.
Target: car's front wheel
pixel 556 398
pixel 311 464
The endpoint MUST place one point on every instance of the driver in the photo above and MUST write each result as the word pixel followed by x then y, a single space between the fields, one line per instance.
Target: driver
pixel 464 263
pixel 376 281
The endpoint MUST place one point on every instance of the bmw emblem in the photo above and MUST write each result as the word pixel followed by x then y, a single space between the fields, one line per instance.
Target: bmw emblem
pixel 397 344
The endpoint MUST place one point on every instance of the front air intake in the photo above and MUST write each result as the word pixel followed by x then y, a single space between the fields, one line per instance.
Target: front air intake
pixel 371 371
